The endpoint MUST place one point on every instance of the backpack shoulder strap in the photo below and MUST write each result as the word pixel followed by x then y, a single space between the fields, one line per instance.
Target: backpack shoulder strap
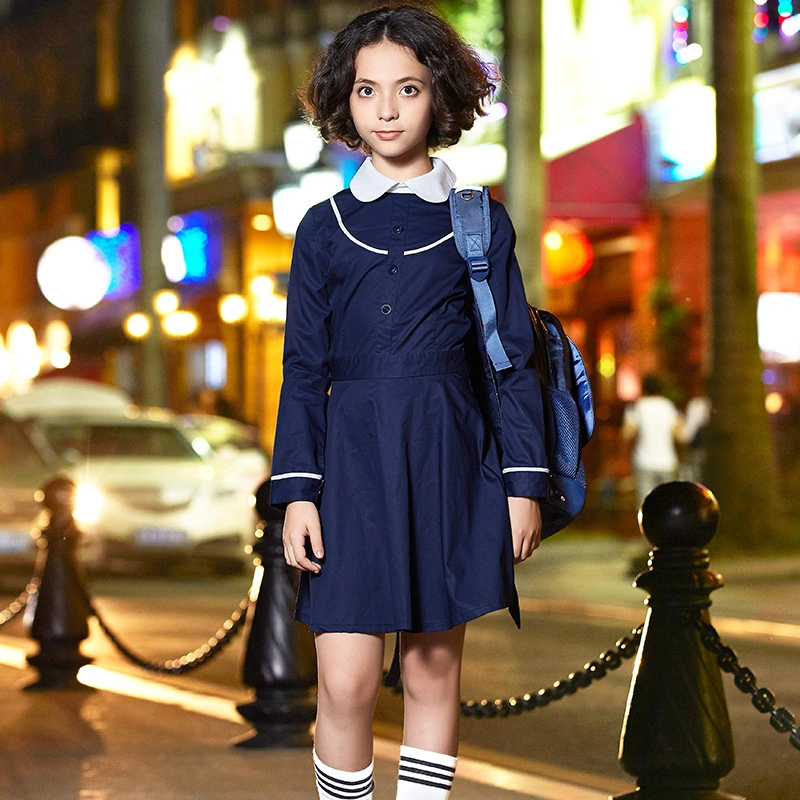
pixel 472 228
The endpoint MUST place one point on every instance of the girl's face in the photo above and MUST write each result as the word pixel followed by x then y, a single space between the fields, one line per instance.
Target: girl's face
pixel 392 108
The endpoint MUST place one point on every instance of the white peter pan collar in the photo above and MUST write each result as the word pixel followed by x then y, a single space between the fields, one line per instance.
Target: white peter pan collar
pixel 369 184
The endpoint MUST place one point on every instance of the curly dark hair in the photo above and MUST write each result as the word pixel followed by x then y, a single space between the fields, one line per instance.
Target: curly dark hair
pixel 461 81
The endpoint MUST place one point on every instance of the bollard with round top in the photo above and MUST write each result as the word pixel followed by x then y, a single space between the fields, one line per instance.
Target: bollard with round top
pixel 61 610
pixel 676 735
pixel 280 662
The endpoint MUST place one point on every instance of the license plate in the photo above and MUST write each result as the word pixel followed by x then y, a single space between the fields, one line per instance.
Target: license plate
pixel 14 542
pixel 161 537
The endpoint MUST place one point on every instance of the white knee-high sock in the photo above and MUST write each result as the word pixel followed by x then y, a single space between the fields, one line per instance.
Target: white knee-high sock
pixel 424 775
pixel 337 784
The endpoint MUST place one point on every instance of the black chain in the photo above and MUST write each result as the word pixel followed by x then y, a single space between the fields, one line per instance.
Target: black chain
pixel 15 608
pixel 606 662
pixel 187 662
pixel 781 719
pixel 191 660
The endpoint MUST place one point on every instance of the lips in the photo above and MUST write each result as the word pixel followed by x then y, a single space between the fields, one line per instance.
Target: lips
pixel 387 136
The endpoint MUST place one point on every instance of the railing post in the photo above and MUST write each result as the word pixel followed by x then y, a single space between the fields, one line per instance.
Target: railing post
pixel 280 663
pixel 60 610
pixel 676 736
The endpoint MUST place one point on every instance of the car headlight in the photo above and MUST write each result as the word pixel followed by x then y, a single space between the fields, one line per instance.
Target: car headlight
pixel 88 502
pixel 201 446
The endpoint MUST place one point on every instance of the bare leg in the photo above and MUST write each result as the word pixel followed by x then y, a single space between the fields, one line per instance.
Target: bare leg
pixel 350 666
pixel 431 670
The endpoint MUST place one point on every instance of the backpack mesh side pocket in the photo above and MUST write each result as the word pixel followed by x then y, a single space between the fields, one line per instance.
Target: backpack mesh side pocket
pixel 564 446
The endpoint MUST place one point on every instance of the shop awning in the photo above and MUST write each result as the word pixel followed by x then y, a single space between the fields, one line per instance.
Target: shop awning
pixel 603 182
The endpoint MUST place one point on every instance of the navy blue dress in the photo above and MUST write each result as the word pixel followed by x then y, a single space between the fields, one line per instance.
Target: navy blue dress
pixel 378 423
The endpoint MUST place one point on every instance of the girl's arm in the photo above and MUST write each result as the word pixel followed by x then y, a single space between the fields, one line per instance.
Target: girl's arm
pixel 298 464
pixel 524 455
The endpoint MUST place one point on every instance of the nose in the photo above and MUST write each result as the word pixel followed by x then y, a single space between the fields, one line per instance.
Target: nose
pixel 388 109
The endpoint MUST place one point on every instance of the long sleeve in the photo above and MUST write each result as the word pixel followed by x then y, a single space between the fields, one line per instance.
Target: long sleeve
pixel 524 454
pixel 298 465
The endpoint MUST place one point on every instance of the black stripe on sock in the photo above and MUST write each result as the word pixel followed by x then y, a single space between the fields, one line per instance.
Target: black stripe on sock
pixel 339 782
pixel 334 792
pixel 427 763
pixel 430 774
pixel 446 787
pixel 341 791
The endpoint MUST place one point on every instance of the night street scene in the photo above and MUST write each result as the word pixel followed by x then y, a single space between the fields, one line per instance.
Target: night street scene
pixel 221 488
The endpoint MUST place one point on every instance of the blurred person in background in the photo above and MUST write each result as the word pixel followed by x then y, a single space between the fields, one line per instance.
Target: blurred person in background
pixel 693 435
pixel 654 425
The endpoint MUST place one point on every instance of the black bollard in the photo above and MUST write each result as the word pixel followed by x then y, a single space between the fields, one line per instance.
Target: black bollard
pixel 280 663
pixel 61 610
pixel 676 736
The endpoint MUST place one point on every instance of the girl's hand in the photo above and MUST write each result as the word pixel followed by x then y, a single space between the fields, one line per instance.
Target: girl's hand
pixel 301 522
pixel 526 526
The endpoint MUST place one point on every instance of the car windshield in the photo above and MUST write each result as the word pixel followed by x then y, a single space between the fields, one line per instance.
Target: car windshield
pixel 219 432
pixel 75 440
pixel 17 454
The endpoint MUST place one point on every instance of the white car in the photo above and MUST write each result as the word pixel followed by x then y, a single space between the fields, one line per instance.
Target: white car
pixel 144 493
pixel 233 445
pixel 23 474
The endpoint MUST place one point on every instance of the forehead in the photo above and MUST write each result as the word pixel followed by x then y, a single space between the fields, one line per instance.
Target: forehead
pixel 387 61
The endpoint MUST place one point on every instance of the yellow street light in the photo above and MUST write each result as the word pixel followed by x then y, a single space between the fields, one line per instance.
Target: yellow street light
pixel 165 302
pixel 26 355
pixel 262 222
pixel 774 402
pixel 607 365
pixel 262 286
pixel 180 324
pixel 232 308
pixel 60 359
pixel 137 325
pixel 57 339
pixel 271 308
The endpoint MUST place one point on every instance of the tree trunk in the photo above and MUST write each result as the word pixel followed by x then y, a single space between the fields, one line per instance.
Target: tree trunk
pixel 740 467
pixel 525 181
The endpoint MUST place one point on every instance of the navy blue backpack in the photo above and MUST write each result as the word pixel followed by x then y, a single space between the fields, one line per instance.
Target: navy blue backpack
pixel 566 392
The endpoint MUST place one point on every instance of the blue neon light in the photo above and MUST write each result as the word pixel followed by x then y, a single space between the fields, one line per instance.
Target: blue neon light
pixel 123 254
pixel 201 241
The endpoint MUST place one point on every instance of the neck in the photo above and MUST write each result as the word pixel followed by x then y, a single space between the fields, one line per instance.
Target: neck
pixel 403 169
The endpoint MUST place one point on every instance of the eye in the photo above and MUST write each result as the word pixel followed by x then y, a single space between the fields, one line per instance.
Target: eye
pixel 366 91
pixel 409 91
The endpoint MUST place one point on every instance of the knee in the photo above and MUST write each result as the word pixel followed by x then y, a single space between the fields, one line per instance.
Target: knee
pixel 351 691
pixel 430 676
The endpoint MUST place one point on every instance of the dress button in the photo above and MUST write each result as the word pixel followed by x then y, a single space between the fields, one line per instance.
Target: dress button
pixel 393 269
pixel 386 309
pixel 398 229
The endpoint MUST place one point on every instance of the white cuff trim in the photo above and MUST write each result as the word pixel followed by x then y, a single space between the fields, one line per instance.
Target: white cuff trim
pixel 525 469
pixel 296 475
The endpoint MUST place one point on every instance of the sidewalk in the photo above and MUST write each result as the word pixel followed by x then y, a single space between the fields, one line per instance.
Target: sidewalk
pixel 100 745
pixel 141 739
pixel 597 570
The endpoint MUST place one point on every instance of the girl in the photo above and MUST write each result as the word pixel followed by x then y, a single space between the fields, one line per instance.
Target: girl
pixel 420 520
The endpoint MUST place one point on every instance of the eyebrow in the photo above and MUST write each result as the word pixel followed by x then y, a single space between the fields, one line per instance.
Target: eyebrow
pixel 399 80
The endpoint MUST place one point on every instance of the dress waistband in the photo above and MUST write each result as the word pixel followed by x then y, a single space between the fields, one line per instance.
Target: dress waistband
pixel 363 366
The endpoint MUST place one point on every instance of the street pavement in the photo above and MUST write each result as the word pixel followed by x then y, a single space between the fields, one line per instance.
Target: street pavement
pixel 131 738
pixel 135 739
